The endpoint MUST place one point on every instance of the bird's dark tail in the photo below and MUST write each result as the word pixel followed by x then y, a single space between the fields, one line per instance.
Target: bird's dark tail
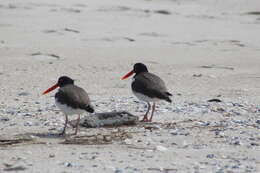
pixel 168 100
pixel 89 108
pixel 167 97
pixel 169 94
pixel 163 95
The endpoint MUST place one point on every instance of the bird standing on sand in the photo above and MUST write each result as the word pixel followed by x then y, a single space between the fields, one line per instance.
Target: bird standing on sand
pixel 148 87
pixel 71 100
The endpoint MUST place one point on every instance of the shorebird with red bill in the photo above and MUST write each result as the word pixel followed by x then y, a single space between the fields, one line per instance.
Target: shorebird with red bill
pixel 147 87
pixel 70 99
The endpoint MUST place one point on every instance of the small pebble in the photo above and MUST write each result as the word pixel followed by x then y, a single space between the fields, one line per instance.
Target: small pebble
pixel 118 170
pixel 215 100
pixel 197 75
pixel 165 12
pixel 254 144
pixel 203 123
pixel 220 171
pixel 4 119
pixel 16 168
pixel 212 76
pixel 23 94
pixel 67 164
pixel 235 167
pixel 161 148
pixel 128 141
pixel 93 157
pixel 179 132
pixel 139 140
pixel 210 156
pixel 28 123
pixel 236 143
pixel 12 124
pixel 51 155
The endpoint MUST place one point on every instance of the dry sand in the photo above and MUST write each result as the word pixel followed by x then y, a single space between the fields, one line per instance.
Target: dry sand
pixel 203 49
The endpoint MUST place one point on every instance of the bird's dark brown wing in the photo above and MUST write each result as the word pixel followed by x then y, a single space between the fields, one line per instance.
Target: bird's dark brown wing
pixel 151 85
pixel 74 97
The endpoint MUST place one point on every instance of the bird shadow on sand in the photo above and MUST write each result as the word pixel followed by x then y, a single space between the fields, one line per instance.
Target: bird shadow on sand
pixel 47 135
pixel 18 139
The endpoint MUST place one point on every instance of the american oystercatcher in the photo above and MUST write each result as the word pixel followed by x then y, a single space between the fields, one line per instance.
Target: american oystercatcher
pixel 71 100
pixel 148 87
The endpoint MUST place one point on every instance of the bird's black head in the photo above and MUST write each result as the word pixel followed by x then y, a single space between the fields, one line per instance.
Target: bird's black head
pixel 139 68
pixel 65 80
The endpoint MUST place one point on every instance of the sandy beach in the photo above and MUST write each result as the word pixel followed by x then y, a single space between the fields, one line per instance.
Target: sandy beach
pixel 202 49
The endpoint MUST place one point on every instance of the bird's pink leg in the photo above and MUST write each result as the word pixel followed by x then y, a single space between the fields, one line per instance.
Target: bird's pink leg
pixel 77 125
pixel 66 122
pixel 153 108
pixel 145 119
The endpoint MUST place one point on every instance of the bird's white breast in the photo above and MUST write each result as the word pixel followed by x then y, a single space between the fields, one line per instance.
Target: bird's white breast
pixel 145 98
pixel 67 109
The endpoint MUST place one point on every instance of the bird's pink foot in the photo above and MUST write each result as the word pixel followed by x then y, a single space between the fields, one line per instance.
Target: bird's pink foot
pixel 145 119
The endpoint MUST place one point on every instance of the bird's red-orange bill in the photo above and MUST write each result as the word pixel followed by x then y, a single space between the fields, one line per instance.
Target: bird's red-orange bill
pixel 50 89
pixel 127 75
